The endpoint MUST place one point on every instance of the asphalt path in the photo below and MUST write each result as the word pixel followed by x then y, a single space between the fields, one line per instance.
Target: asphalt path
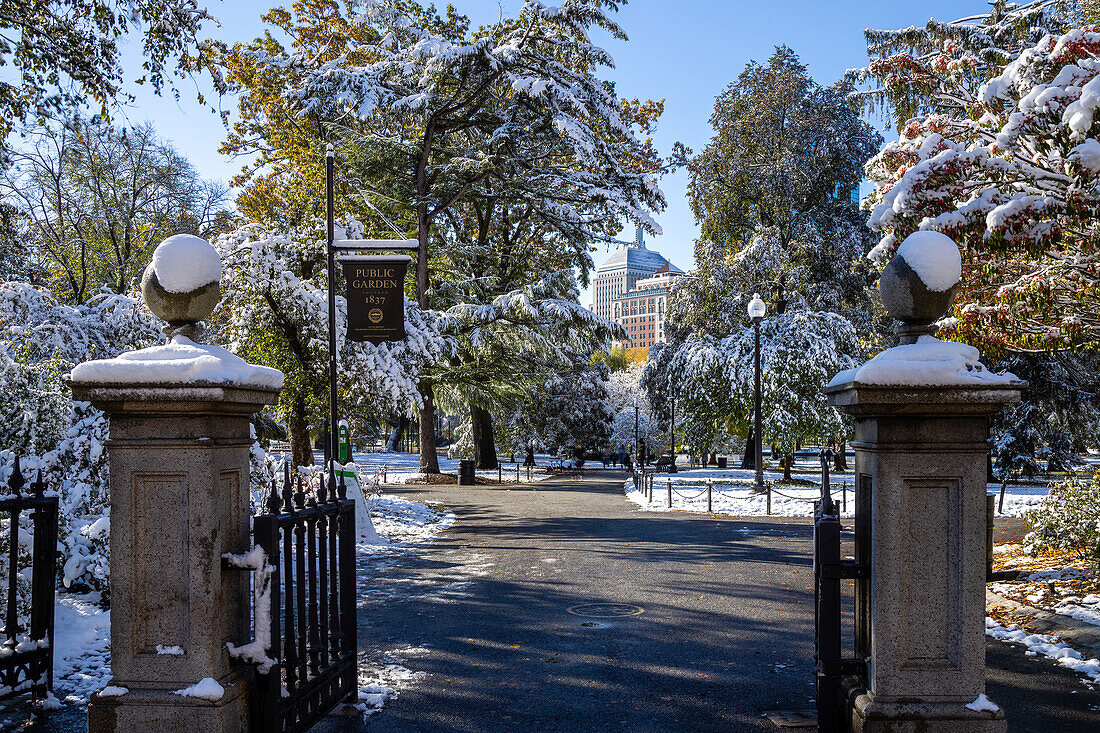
pixel 486 617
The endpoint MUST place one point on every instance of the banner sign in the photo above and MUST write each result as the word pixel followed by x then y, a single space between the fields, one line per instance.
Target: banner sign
pixel 376 297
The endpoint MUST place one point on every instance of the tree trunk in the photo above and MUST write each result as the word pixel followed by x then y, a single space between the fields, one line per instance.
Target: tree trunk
pixel 429 462
pixel 775 452
pixel 748 459
pixel 397 432
pixel 485 447
pixel 297 425
pixel 788 461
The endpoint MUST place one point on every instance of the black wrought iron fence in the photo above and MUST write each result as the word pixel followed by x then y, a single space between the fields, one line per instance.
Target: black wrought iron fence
pixel 832 666
pixel 26 654
pixel 308 538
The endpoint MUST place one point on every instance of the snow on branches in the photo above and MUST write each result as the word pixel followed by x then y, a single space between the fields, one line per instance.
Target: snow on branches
pixel 264 300
pixel 1014 177
pixel 40 340
pixel 521 92
pixel 800 351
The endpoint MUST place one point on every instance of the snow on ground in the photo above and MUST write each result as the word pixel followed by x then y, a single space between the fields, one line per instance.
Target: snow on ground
pixel 402 467
pixel 380 681
pixel 1053 590
pixel 82 636
pixel 732 492
pixel 82 644
pixel 1048 646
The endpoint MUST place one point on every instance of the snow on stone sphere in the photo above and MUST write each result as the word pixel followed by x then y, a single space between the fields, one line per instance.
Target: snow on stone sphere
pixel 183 263
pixel 935 258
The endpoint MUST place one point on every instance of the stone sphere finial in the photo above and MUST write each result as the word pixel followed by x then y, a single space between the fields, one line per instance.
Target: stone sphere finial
pixel 182 284
pixel 919 283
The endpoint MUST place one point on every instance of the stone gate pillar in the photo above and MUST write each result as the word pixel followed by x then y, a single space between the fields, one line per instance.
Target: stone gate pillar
pixel 178 453
pixel 921 422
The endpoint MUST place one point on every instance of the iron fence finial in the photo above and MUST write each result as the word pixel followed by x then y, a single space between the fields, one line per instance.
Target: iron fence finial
pixel 273 500
pixel 16 480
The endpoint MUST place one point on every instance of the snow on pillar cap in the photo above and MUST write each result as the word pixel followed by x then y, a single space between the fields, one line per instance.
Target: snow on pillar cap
pixel 935 258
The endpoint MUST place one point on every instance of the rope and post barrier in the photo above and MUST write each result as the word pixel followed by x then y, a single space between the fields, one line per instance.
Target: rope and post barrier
pixel 670 493
pixel 710 489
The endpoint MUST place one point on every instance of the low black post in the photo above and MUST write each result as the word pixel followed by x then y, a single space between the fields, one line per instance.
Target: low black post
pixel 670 493
pixel 989 514
pixel 710 488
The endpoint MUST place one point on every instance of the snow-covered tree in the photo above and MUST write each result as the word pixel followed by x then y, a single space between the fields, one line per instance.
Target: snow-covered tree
pixel 920 70
pixel 40 340
pixel 631 410
pixel 508 346
pixel 772 193
pixel 273 316
pixel 1003 157
pixel 567 414
pixel 431 115
pixel 784 151
pixel 1058 418
pixel 800 351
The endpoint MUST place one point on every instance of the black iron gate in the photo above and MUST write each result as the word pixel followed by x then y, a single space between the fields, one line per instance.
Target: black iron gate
pixel 308 538
pixel 26 655
pixel 832 667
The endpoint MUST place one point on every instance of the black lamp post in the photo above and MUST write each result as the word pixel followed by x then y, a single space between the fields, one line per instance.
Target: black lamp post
pixel 636 425
pixel 672 428
pixel 757 310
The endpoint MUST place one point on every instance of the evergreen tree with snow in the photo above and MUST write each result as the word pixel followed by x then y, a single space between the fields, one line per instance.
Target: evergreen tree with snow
pixel 431 116
pixel 772 194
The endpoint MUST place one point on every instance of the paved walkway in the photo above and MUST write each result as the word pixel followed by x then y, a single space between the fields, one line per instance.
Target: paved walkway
pixel 723 633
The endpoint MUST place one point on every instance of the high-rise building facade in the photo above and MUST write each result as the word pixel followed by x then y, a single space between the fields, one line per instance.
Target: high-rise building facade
pixel 632 289
pixel 621 272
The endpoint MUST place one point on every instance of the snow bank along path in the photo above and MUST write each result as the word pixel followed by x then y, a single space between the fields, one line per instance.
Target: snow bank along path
pixel 732 494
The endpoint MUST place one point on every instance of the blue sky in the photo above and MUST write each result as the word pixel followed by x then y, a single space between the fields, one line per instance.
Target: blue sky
pixel 682 51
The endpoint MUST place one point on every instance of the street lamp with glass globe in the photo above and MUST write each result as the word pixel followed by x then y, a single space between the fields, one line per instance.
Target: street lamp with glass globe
pixel 757 310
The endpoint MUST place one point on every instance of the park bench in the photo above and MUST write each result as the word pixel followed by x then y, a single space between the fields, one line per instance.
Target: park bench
pixel 664 462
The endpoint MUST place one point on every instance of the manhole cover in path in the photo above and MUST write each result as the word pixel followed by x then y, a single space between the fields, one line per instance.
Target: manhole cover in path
pixel 605 610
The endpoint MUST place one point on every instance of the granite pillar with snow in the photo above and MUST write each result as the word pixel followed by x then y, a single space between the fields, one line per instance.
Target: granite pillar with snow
pixel 179 474
pixel 921 412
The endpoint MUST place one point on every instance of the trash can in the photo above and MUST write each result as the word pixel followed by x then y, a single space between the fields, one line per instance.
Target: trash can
pixel 466 473
pixel 721 461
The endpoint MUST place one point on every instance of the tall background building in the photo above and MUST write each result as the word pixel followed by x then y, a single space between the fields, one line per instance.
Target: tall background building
pixel 632 288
